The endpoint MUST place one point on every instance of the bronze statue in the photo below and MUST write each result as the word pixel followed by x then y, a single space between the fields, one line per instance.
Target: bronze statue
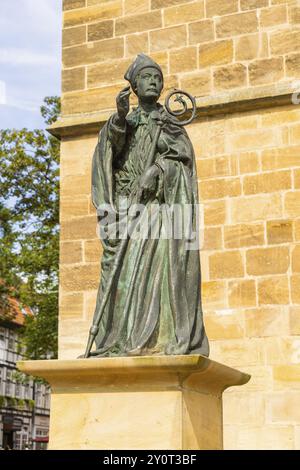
pixel 149 299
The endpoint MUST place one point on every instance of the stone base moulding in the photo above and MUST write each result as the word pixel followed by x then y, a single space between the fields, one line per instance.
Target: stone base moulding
pixel 148 402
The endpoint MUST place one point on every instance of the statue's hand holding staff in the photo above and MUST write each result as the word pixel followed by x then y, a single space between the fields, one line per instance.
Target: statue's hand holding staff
pixel 148 182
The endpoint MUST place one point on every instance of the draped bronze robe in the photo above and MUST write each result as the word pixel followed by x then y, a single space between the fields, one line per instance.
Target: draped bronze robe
pixel 149 296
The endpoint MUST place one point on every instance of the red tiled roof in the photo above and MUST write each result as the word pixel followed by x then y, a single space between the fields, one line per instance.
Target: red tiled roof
pixel 19 312
pixel 16 312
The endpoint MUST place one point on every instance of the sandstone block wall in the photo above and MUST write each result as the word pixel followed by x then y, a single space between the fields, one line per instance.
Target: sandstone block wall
pixel 248 163
pixel 247 167
pixel 206 46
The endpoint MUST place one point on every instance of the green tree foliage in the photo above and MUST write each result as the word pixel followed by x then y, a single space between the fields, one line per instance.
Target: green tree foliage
pixel 29 230
pixel 8 278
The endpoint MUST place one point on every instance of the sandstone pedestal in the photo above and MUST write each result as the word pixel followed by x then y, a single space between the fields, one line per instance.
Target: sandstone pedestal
pixel 162 402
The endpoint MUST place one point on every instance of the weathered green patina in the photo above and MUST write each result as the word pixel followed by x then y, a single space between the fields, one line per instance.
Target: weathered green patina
pixel 149 299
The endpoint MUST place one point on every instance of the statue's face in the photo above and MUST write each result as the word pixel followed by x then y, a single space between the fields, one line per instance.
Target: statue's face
pixel 149 84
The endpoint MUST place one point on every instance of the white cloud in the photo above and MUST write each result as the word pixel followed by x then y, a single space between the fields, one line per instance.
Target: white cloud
pixel 30 56
pixel 2 92
pixel 25 105
pixel 16 56
pixel 33 17
pixel 46 15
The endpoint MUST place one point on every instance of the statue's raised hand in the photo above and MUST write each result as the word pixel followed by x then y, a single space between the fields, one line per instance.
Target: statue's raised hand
pixel 122 101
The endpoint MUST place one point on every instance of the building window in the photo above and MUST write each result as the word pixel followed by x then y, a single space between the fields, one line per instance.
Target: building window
pixel 28 395
pixel 38 399
pixel 11 341
pixel 2 344
pixel 47 400
pixel 8 389
pixel 18 390
pixel 2 338
pixel 1 383
pixel 24 440
pixel 17 442
pixel 8 384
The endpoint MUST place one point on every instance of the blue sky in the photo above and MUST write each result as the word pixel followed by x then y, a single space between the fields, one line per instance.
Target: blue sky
pixel 30 59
